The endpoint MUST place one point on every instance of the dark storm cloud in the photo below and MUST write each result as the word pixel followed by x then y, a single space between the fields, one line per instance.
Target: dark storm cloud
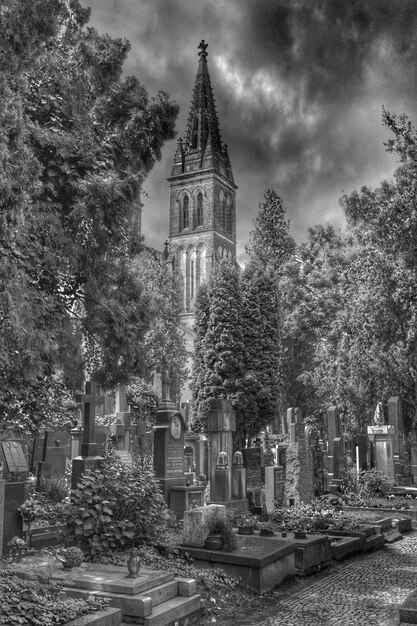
pixel 299 85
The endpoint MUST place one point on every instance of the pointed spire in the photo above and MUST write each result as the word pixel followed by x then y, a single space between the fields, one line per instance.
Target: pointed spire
pixel 203 146
pixel 202 119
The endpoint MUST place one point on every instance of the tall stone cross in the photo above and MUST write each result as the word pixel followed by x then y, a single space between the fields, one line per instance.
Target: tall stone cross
pixel 89 399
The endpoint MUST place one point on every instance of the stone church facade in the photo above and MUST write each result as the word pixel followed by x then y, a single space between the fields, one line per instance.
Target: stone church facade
pixel 202 197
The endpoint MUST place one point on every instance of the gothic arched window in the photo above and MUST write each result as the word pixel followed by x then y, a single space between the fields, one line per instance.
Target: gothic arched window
pixel 199 221
pixel 185 212
pixel 223 215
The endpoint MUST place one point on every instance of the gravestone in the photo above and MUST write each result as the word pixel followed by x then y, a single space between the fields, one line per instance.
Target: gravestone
pixel 13 463
pixel 413 461
pixel 274 487
pixel 395 419
pixel 13 458
pixel 200 453
pixel 169 461
pixel 169 448
pixel 238 477
pixel 221 423
pixel 383 442
pixel 253 459
pixel 89 458
pixel 168 456
pixel 294 420
pixel 299 465
pixel 362 452
pixel 333 431
pixel 337 468
pixel 54 455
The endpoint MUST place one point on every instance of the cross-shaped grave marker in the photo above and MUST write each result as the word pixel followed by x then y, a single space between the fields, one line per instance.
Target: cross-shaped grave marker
pixel 88 399
pixel 88 458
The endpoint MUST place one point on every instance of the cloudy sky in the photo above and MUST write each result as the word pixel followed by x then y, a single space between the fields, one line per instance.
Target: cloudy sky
pixel 299 84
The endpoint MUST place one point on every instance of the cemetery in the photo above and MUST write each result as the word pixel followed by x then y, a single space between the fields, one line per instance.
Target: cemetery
pixel 196 428
pixel 253 525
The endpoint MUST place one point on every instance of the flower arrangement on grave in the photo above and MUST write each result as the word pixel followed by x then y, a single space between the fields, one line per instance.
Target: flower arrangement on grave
pixel 266 529
pixel 315 517
pixel 245 522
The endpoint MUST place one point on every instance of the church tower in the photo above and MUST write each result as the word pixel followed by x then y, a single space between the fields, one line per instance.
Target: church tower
pixel 202 221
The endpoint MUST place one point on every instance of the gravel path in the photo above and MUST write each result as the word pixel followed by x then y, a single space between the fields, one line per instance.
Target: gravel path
pixel 362 590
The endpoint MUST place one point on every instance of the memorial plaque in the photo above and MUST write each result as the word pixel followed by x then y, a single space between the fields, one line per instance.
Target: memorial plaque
pixel 175 460
pixel 13 455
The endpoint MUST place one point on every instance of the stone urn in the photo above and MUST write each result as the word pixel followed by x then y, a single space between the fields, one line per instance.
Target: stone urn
pixel 133 563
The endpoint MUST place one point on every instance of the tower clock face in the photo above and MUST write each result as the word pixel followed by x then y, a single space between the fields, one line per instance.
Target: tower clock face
pixel 175 427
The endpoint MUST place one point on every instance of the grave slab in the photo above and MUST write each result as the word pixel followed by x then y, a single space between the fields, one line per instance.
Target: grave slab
pixel 262 563
pixel 312 554
pixel 114 580
pixel 343 547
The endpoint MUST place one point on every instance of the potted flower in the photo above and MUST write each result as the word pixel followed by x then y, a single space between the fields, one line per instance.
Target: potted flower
pixel 245 523
pixel 266 529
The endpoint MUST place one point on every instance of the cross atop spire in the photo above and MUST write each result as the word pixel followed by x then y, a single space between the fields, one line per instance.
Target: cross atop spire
pixel 203 47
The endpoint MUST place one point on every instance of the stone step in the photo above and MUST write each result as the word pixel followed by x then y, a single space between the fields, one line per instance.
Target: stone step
pixel 174 610
pixel 139 605
pixel 153 597
pixel 106 617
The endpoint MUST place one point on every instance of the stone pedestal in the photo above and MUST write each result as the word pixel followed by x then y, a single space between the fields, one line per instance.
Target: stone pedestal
pixel 183 498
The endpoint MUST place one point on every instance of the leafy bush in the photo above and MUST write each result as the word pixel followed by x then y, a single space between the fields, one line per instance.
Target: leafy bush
pixel 116 508
pixel 29 598
pixel 372 483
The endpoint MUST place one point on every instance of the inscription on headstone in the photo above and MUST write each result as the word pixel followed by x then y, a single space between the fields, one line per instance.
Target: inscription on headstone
pixel 279 484
pixel 175 460
pixel 253 460
pixel 12 453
